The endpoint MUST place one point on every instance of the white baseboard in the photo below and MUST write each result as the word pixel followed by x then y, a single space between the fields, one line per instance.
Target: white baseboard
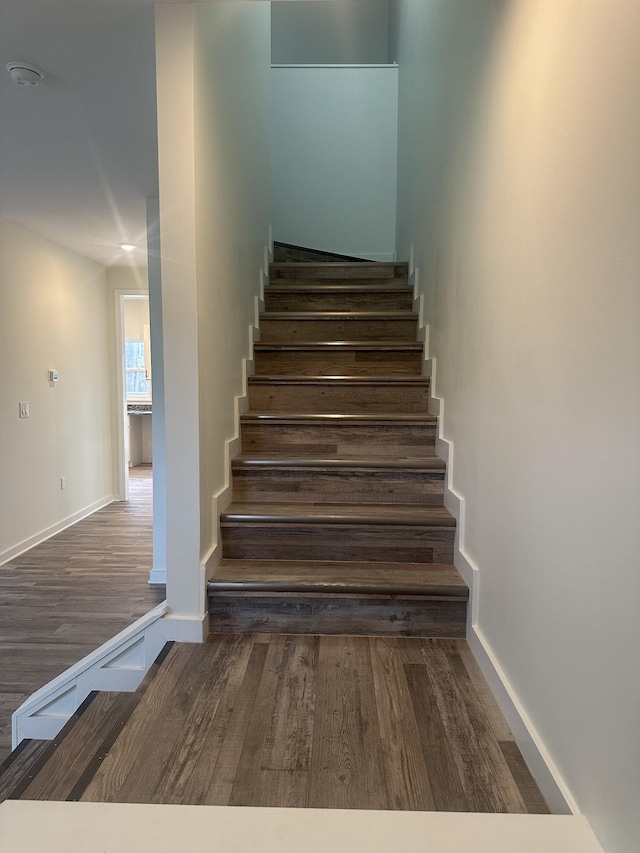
pixel 185 629
pixel 540 763
pixel 233 446
pixel 48 532
pixel 120 664
pixel 157 577
pixel 553 787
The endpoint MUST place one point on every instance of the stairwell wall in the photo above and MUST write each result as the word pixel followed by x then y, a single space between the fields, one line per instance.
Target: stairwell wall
pixel 212 74
pixel 519 189
pixel 232 56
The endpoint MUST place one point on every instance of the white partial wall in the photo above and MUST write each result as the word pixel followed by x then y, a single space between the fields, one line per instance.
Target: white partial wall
pixel 53 316
pixel 519 203
pixel 232 223
pixel 333 159
pixel 336 32
pixel 212 78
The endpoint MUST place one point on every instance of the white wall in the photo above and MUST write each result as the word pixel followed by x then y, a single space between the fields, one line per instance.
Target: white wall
pixel 333 159
pixel 336 32
pixel 212 78
pixel 232 220
pixel 53 315
pixel 519 201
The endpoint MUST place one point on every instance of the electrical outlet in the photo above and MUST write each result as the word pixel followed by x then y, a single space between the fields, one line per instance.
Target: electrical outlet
pixel 24 409
pixel 63 483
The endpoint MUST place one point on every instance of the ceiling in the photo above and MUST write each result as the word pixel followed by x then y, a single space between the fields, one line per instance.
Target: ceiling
pixel 78 154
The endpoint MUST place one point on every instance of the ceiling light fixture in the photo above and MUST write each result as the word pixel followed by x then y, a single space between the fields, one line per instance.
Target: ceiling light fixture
pixel 24 74
pixel 128 247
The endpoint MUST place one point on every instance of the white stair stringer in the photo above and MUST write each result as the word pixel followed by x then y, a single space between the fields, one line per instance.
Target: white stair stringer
pixel 119 665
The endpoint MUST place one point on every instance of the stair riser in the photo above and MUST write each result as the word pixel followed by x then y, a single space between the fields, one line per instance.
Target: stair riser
pixel 336 363
pixel 370 283
pixel 347 440
pixel 350 486
pixel 314 301
pixel 347 399
pixel 364 542
pixel 384 329
pixel 338 272
pixel 379 615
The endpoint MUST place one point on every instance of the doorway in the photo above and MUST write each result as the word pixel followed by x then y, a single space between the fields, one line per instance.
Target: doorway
pixel 135 394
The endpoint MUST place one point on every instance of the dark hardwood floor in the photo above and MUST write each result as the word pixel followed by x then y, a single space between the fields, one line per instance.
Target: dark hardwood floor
pixel 63 598
pixel 298 721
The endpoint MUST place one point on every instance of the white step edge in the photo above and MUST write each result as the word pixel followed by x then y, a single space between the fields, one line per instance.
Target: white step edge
pixel 54 827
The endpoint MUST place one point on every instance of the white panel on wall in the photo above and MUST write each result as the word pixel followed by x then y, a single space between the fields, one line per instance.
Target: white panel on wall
pixel 334 159
pixel 342 31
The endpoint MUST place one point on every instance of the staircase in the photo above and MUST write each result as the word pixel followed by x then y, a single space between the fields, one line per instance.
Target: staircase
pixel 337 524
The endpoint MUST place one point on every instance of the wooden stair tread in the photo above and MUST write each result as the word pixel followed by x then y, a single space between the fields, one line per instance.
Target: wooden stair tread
pixel 378 267
pixel 338 577
pixel 248 460
pixel 396 284
pixel 20 764
pixel 338 315
pixel 332 346
pixel 413 515
pixel 409 419
pixel 295 379
pixel 353 286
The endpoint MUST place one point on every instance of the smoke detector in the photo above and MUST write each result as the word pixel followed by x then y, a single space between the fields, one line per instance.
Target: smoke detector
pixel 24 74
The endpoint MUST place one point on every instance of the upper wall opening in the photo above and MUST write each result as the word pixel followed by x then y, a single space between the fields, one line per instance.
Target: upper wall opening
pixel 340 32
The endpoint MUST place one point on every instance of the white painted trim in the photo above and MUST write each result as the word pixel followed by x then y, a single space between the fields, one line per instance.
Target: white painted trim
pixel 550 781
pixel 122 451
pixel 157 577
pixel 185 629
pixel 232 446
pixel 392 65
pixel 120 664
pixel 58 827
pixel 48 532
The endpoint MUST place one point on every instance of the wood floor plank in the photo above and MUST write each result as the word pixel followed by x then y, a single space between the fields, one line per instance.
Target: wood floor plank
pixel 495 716
pixel 18 764
pixel 493 755
pixel 57 778
pixel 444 779
pixel 347 763
pixel 406 774
pixel 235 728
pixel 106 786
pixel 482 789
pixel 156 758
pixel 289 739
pixel 280 729
pixel 529 791
pixel 180 783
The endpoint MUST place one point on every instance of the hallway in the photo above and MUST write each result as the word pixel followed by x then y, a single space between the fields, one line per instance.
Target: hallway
pixel 63 598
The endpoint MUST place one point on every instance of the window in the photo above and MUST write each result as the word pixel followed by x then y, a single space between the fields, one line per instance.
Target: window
pixel 137 381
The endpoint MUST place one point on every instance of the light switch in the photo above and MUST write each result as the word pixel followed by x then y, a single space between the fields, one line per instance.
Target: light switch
pixel 24 409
